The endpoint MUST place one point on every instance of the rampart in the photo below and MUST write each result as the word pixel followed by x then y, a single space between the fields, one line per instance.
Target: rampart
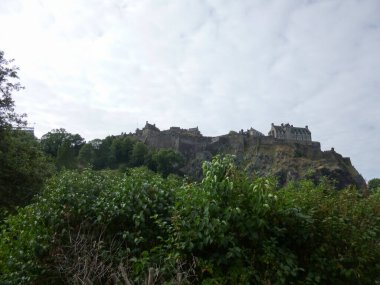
pixel 286 152
pixel 191 142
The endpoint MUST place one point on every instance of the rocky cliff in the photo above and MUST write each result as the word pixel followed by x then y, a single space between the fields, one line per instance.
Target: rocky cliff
pixel 255 153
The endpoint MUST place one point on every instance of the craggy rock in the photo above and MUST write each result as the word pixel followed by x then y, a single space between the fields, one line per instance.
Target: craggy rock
pixel 255 153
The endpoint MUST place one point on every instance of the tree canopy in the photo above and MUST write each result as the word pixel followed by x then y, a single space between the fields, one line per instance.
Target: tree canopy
pixel 53 140
pixel 23 166
pixel 8 84
pixel 374 184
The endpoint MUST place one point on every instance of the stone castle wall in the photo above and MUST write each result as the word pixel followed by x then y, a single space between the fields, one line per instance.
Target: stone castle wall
pixel 256 153
pixel 189 142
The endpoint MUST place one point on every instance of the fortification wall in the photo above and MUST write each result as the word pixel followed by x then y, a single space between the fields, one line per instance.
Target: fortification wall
pixel 257 154
pixel 190 145
pixel 159 140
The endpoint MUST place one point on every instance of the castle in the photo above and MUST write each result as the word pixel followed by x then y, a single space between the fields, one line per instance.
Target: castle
pixel 149 128
pixel 287 152
pixel 290 133
pixel 191 143
pixel 283 132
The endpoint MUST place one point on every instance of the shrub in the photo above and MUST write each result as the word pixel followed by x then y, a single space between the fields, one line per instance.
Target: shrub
pixel 99 227
pixel 125 208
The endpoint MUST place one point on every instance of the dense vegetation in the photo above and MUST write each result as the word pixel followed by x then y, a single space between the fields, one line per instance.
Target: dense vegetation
pixel 70 151
pixel 23 165
pixel 24 168
pixel 94 227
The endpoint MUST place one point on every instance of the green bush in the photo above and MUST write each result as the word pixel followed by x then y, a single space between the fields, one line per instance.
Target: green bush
pixel 23 168
pixel 374 185
pixel 225 223
pixel 336 237
pixel 122 209
pixel 96 227
pixel 243 231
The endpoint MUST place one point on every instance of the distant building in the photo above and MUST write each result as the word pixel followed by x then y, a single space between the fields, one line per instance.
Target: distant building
pixel 151 127
pixel 284 132
pixel 178 131
pixel 255 133
pixel 290 133
pixel 194 131
pixel 29 130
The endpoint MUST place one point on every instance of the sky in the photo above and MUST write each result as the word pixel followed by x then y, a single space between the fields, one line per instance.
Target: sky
pixel 102 67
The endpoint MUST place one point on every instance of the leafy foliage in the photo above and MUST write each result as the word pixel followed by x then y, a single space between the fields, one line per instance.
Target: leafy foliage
pixel 225 229
pixel 127 206
pixel 69 151
pixel 85 156
pixel 139 153
pixel 374 185
pixel 121 151
pixel 53 140
pixel 8 84
pixel 23 168
pixel 167 161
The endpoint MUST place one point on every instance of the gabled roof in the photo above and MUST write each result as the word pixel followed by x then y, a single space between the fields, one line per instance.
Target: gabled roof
pixel 294 130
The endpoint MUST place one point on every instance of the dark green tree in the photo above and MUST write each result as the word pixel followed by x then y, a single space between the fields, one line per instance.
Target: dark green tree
pixel 86 155
pixel 139 152
pixel 120 151
pixel 23 166
pixel 150 160
pixel 8 84
pixel 54 139
pixel 102 152
pixel 126 149
pixel 95 143
pixel 168 161
pixel 66 156
pixel 374 184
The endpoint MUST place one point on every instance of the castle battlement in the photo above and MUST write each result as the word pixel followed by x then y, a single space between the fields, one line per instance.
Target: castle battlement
pixel 283 132
pixel 287 150
pixel 178 131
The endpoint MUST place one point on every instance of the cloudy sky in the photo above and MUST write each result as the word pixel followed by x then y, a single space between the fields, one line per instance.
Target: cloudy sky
pixel 100 67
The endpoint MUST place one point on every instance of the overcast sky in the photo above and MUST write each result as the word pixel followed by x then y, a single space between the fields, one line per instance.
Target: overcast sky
pixel 101 67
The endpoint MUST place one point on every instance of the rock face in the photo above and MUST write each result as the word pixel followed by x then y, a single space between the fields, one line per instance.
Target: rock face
pixel 256 154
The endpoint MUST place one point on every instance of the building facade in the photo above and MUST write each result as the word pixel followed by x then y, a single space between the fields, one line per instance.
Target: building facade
pixel 290 133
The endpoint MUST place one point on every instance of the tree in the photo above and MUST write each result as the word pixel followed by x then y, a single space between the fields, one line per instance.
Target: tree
pixel 168 161
pixel 86 155
pixel 102 153
pixel 150 160
pixel 23 166
pixel 66 156
pixel 95 143
pixel 63 147
pixel 138 154
pixel 55 138
pixel 374 184
pixel 115 152
pixel 8 84
pixel 120 151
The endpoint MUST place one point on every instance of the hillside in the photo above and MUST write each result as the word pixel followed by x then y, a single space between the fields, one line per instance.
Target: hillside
pixel 289 158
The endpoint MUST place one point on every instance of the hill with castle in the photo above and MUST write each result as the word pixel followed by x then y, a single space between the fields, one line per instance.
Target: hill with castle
pixel 287 152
